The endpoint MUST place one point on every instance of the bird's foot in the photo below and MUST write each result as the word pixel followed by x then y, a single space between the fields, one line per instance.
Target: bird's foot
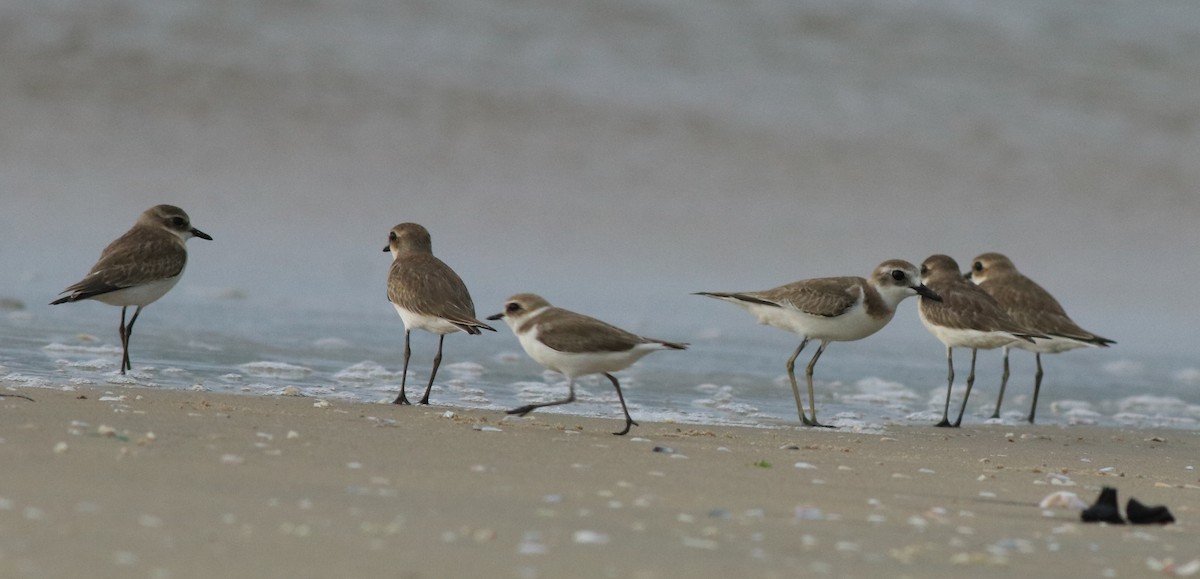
pixel 805 421
pixel 628 423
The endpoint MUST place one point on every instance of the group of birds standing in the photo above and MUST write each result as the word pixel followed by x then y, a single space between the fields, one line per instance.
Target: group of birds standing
pixel 991 306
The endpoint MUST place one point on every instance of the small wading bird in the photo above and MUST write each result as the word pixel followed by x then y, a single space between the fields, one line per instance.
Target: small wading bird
pixel 966 317
pixel 575 345
pixel 427 294
pixel 1028 304
pixel 139 267
pixel 831 309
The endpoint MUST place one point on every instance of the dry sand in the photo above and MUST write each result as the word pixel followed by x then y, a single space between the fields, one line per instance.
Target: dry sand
pixel 133 482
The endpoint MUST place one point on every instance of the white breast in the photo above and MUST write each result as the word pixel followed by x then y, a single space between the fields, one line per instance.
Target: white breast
pixel 960 338
pixel 140 295
pixel 575 364
pixel 432 324
pixel 855 324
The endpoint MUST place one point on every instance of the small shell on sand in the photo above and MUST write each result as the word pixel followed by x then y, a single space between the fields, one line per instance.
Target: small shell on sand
pixel 700 543
pixel 808 513
pixel 1169 568
pixel 1064 500
pixel 585 537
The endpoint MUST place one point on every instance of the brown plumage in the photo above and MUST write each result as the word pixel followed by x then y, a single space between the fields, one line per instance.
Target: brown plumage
pixel 423 284
pixel 1026 302
pixel 138 268
pixel 571 332
pixel 827 297
pixel 427 295
pixel 830 309
pixel 1030 305
pixel 965 317
pixel 142 255
pixel 575 345
pixel 964 306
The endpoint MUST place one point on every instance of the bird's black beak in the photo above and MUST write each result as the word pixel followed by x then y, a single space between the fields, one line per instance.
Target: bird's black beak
pixel 925 292
pixel 967 275
pixel 201 234
pixel 495 317
pixel 387 248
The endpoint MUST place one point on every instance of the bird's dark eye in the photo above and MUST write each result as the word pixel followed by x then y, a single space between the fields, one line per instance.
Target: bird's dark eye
pixel 178 221
pixel 512 307
pixel 924 269
pixel 898 274
pixel 391 236
pixel 978 266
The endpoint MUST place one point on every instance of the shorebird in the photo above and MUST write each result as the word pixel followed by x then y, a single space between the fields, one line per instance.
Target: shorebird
pixel 575 345
pixel 138 268
pixel 831 309
pixel 428 295
pixel 965 317
pixel 1033 307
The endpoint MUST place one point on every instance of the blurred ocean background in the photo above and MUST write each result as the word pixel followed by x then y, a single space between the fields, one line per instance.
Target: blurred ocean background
pixel 613 156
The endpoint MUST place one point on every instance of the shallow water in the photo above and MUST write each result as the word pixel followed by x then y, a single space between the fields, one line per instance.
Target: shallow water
pixel 888 379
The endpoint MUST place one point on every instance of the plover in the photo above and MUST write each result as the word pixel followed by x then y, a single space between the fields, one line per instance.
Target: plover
pixel 575 345
pixel 1033 307
pixel 966 317
pixel 832 309
pixel 139 267
pixel 427 294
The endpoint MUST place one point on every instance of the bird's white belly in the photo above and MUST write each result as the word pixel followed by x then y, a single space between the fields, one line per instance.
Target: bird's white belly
pixel 1049 346
pixel 975 339
pixel 855 324
pixel 141 295
pixel 575 364
pixel 432 324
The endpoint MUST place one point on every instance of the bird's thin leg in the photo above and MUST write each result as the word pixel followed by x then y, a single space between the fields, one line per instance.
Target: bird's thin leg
pixel 526 409
pixel 124 340
pixel 1037 387
pixel 628 419
pixel 949 385
pixel 402 399
pixel 808 375
pixel 437 361
pixel 1003 383
pixel 970 383
pixel 128 334
pixel 791 372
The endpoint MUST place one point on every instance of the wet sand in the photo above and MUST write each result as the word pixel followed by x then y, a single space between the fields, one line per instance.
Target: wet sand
pixel 136 482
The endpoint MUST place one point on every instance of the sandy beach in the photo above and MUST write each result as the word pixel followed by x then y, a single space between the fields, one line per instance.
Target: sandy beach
pixel 138 482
